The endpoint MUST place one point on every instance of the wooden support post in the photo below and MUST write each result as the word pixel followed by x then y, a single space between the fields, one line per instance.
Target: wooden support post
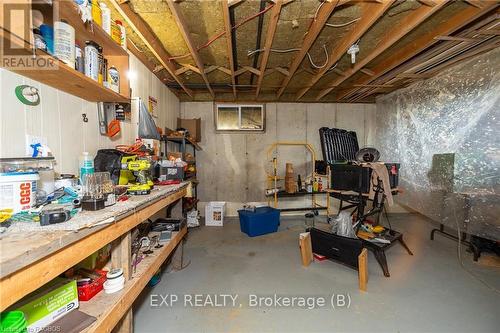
pixel 126 324
pixel 305 248
pixel 363 269
pixel 178 257
pixel 121 256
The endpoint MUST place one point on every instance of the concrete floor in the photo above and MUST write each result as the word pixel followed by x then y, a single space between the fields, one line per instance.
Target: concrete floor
pixel 427 292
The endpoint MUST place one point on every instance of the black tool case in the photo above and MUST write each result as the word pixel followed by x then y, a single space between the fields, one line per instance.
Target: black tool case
pixel 339 149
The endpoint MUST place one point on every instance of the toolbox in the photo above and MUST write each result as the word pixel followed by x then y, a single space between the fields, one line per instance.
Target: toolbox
pixel 86 292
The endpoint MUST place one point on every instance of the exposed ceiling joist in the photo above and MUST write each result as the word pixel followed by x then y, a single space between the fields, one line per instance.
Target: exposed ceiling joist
pixel 272 25
pixel 321 18
pixel 370 13
pixel 229 43
pixel 149 39
pixel 181 23
pixel 423 42
pixel 411 21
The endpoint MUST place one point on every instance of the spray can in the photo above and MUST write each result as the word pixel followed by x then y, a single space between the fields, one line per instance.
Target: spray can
pixel 114 79
pixel 92 60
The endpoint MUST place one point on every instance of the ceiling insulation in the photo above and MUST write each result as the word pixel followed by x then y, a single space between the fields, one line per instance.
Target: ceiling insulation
pixel 205 26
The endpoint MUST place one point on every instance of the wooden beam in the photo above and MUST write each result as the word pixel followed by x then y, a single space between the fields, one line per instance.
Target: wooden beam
pixel 475 3
pixel 429 3
pixel 181 23
pixel 411 21
pixel 457 39
pixel 229 42
pixel 423 42
pixel 370 13
pixel 225 70
pixel 367 71
pixel 321 18
pixel 272 25
pixel 147 36
pixel 282 71
pixel 252 70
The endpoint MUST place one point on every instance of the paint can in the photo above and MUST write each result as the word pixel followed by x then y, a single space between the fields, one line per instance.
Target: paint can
pixel 64 43
pixel 114 79
pixel 92 60
pixel 18 190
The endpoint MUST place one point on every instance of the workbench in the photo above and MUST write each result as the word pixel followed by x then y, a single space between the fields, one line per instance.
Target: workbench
pixel 28 261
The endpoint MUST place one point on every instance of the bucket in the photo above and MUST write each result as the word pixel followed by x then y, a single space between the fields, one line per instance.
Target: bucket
pixel 18 190
pixel 12 322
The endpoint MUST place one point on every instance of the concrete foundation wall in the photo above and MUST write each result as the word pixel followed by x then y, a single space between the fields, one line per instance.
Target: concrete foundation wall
pixel 232 166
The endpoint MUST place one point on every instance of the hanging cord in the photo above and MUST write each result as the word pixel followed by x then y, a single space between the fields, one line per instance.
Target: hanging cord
pixel 251 53
pixel 222 33
pixel 340 25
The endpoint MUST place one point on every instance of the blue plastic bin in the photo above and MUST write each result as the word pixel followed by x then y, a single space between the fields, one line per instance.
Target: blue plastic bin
pixel 264 220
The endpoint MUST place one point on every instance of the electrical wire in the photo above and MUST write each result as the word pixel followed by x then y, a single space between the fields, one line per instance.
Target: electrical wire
pixel 326 60
pixel 251 53
pixel 317 10
pixel 222 33
pixel 340 25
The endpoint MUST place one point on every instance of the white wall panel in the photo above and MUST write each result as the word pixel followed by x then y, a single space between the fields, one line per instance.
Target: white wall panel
pixel 59 120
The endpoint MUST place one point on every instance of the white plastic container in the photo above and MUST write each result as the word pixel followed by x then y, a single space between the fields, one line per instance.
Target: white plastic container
pixel 18 190
pixel 64 43
pixel 106 17
pixel 214 213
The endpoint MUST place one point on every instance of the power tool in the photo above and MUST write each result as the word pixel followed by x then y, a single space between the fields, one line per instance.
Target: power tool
pixel 143 181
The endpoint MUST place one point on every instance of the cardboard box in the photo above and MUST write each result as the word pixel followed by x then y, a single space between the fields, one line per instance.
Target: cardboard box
pixel 192 125
pixel 49 303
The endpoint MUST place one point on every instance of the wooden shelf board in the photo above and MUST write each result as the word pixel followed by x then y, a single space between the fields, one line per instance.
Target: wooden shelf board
pixel 68 79
pixel 110 308
pixel 55 259
pixel 68 11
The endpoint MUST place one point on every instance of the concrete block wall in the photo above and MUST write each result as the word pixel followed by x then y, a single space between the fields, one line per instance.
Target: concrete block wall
pixel 58 117
pixel 232 166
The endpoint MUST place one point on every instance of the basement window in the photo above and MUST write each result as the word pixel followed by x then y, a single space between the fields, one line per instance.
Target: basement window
pixel 234 117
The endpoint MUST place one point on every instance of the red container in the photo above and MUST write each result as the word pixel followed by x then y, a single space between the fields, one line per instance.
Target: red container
pixel 88 291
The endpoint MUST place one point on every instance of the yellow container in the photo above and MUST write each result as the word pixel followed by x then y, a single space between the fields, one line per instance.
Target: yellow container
pixel 96 13
pixel 116 33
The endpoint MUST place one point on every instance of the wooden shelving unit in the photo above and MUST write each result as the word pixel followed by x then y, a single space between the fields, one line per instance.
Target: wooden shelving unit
pixel 42 257
pixel 109 309
pixel 68 79
pixel 183 142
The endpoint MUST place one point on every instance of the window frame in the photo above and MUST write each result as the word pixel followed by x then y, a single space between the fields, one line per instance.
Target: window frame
pixel 239 106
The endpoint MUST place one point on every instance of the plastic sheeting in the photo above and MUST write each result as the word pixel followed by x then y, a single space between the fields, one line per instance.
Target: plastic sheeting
pixel 445 131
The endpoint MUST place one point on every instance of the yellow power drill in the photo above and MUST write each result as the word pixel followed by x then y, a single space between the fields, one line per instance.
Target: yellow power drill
pixel 143 181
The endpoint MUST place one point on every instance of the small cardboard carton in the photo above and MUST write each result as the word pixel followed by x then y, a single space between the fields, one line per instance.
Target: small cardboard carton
pixel 192 125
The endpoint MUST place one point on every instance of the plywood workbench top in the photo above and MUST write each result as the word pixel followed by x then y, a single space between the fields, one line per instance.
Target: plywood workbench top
pixel 20 249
